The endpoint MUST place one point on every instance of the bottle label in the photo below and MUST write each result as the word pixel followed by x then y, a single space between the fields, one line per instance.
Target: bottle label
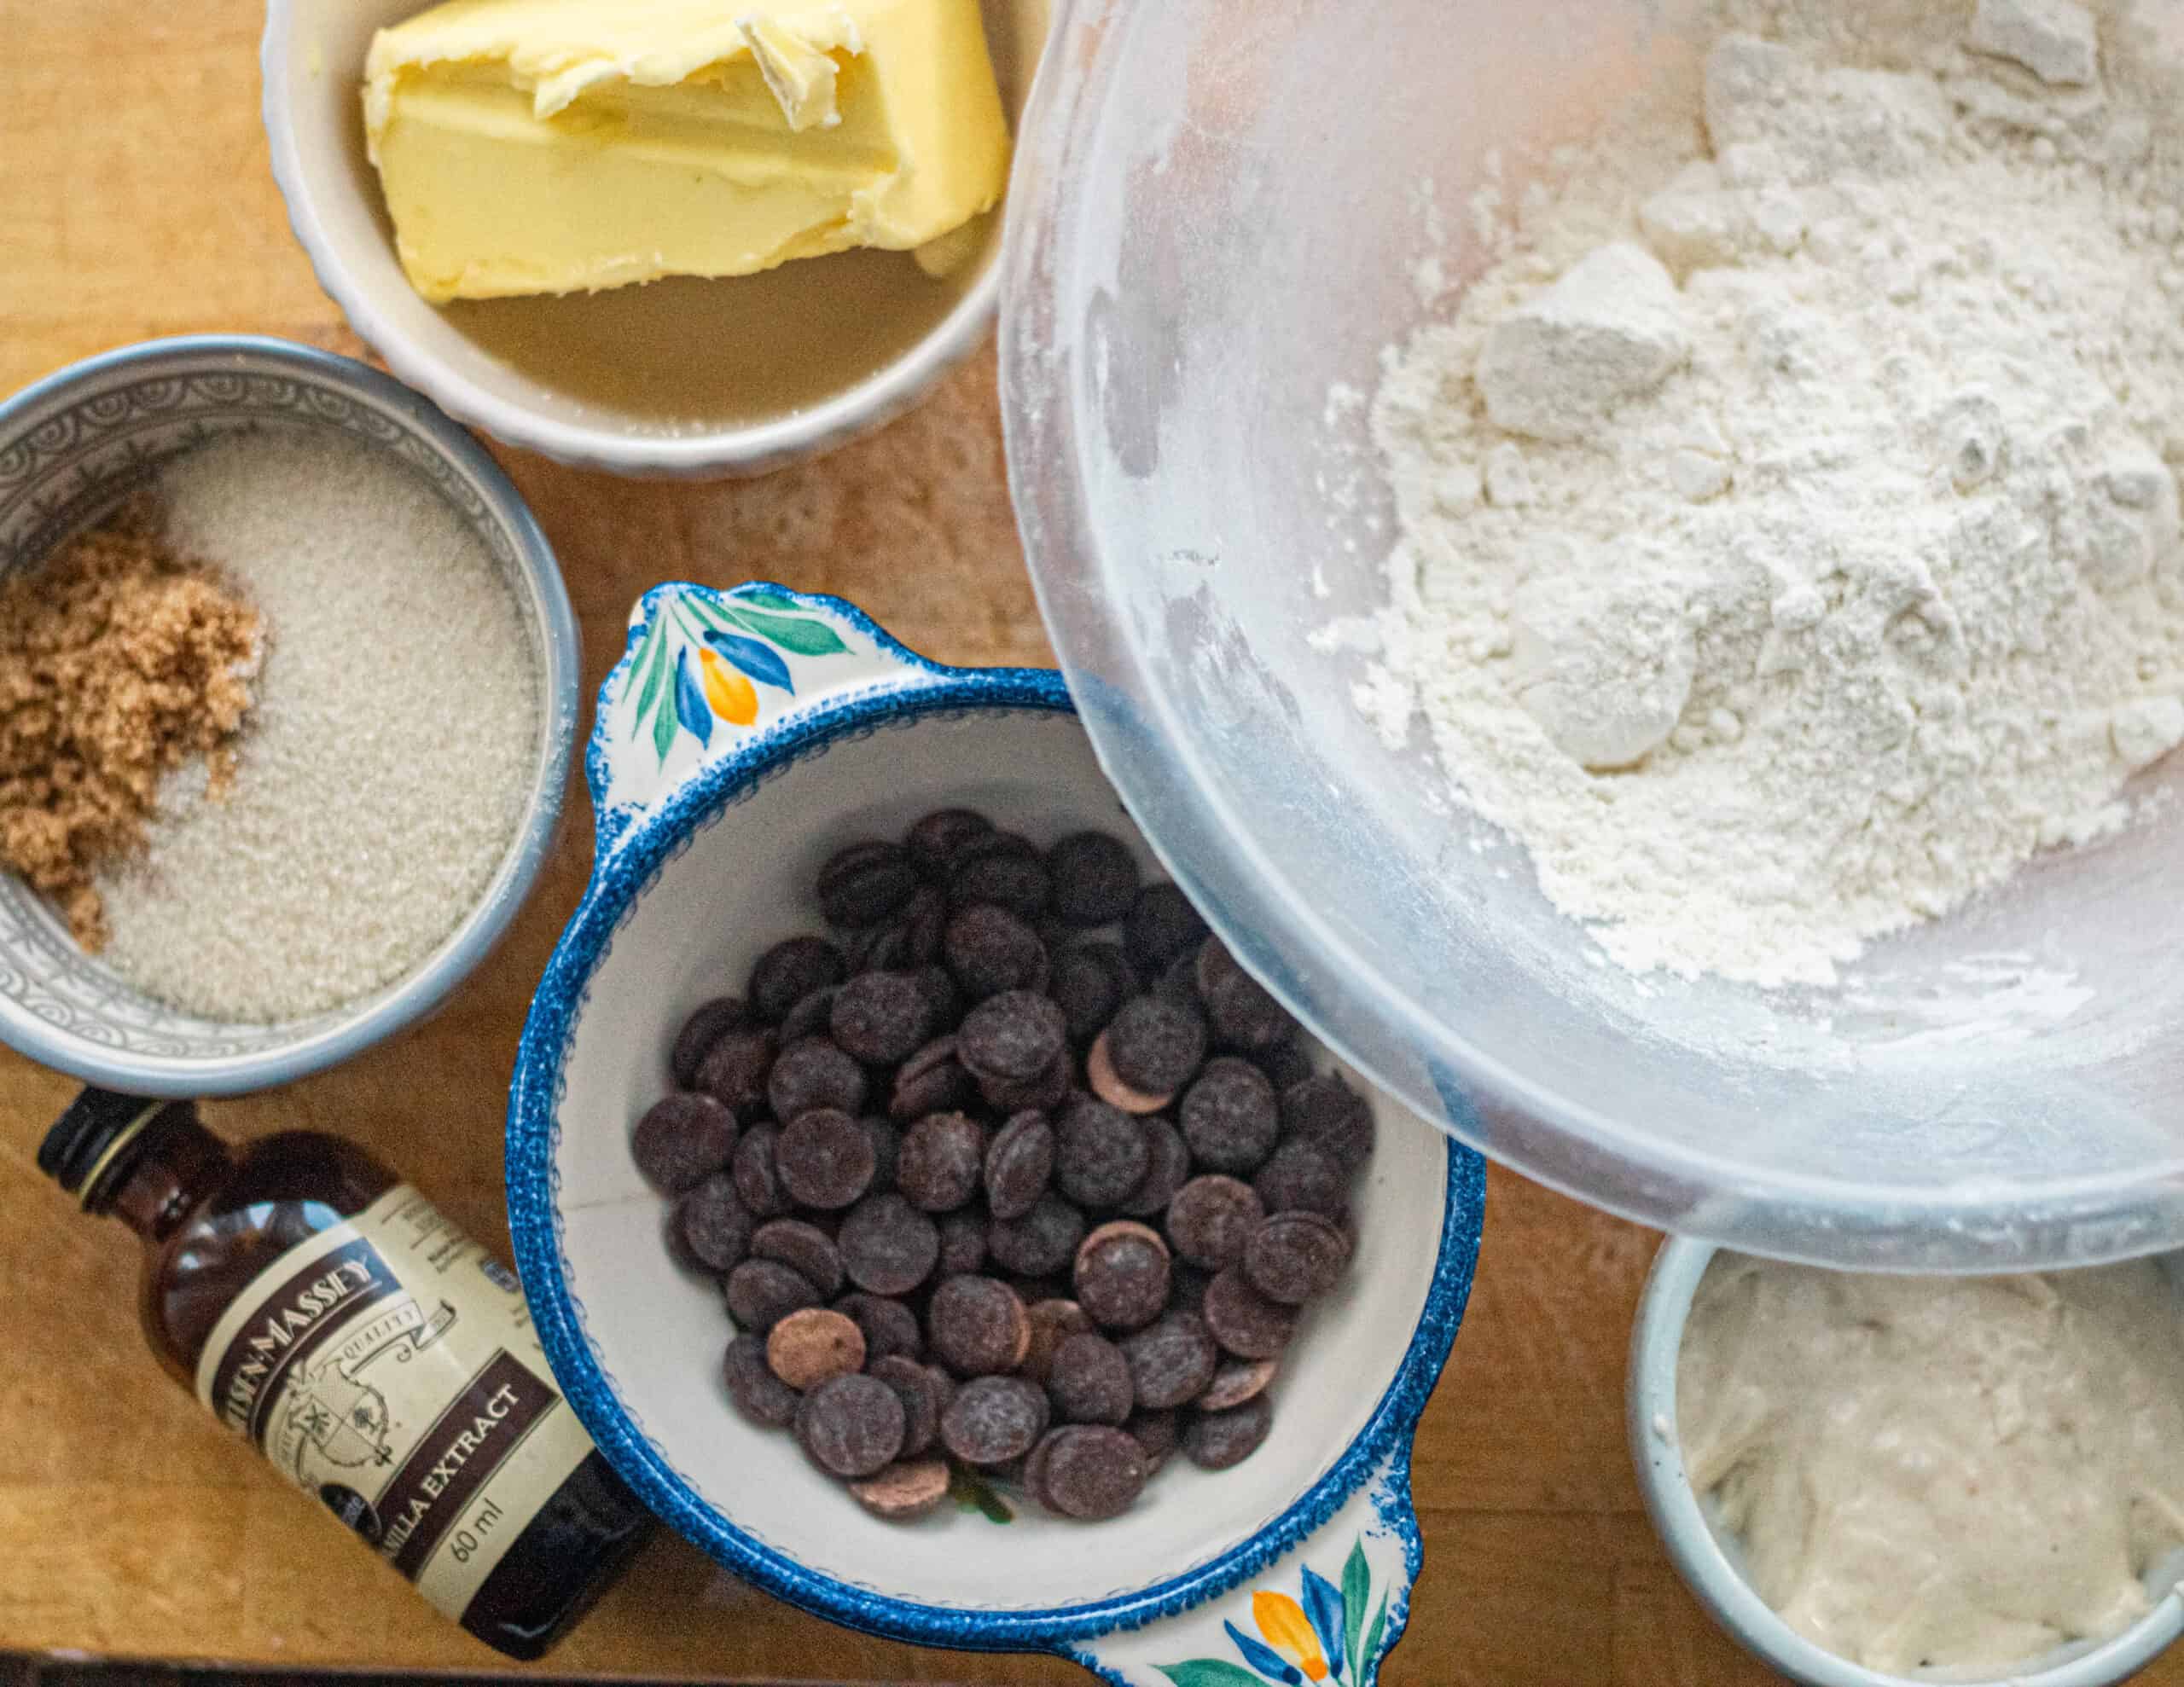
pixel 388 1366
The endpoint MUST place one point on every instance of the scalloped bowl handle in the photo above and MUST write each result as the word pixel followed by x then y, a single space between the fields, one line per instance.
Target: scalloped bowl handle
pixel 1325 1614
pixel 712 678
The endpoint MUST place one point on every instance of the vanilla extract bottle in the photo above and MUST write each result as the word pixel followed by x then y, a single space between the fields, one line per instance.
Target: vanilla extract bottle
pixel 385 1363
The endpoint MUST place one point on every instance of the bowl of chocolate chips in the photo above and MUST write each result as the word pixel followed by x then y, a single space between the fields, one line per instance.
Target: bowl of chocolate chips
pixel 929 1214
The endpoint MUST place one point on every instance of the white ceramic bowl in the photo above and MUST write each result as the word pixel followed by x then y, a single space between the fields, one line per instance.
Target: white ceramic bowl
pixel 74 445
pixel 312 60
pixel 708 843
pixel 1708 1557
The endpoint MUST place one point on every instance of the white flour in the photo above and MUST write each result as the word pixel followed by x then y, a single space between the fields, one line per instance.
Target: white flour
pixel 1790 544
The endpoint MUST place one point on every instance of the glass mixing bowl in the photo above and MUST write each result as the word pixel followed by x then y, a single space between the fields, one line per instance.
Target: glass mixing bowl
pixel 1216 224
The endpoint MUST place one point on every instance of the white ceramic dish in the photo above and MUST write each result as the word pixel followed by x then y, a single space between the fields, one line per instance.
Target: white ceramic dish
pixel 1707 1557
pixel 74 445
pixel 711 830
pixel 312 60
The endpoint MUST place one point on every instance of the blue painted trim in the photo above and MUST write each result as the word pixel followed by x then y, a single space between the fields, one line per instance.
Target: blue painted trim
pixel 637 854
pixel 560 686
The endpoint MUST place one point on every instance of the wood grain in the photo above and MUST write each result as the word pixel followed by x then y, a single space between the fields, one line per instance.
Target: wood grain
pixel 137 202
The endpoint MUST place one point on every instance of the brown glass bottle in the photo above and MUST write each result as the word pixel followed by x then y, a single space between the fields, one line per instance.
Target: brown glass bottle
pixel 325 1310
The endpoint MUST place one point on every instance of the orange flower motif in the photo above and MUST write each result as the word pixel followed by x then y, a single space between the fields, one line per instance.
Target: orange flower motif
pixel 1282 1620
pixel 732 697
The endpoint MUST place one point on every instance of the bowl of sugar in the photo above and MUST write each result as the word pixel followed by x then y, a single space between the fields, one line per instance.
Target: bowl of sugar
pixel 288 693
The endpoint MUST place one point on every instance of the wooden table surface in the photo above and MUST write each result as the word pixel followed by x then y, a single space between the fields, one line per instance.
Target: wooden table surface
pixel 136 202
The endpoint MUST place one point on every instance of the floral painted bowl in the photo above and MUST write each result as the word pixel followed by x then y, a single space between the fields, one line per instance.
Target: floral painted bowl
pixel 744 737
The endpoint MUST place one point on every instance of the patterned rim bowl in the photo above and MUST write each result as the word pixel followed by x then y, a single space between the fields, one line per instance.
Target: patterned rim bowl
pixel 744 737
pixel 1709 1560
pixel 72 447
pixel 311 62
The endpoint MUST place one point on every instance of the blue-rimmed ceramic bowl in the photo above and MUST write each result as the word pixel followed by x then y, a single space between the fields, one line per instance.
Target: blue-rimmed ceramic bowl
pixel 1710 1559
pixel 71 447
pixel 743 739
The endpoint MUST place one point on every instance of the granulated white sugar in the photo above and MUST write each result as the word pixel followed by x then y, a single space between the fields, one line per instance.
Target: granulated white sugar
pixel 384 770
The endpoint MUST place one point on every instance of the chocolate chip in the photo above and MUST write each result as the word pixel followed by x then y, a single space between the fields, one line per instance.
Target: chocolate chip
pixel 1239 1009
pixel 888 1247
pixel 813 1075
pixel 936 841
pixel 713 1224
pixel 824 1159
pixel 760 1293
pixel 1168 1167
pixel 1092 1473
pixel 1089 1382
pixel 989 949
pixel 700 1032
pixel 852 1426
pixel 1327 1114
pixel 1244 1321
pixel 805 1248
pixel 1294 1256
pixel 812 1345
pixel 922 1398
pixel 753 1387
pixel 1018 1164
pixel 1230 1117
pixel 789 972
pixel 886 1149
pixel 1161 926
pixel 1287 1063
pixel 753 1169
pixel 1237 1381
pixel 1011 1038
pixel 931 1081
pixel 1218 1440
pixel 811 1017
pixel 890 1328
pixel 1157 1045
pixel 1099 1153
pixel 1050 1089
pixel 1156 1433
pixel 1122 1275
pixel 734 1071
pixel 880 1017
pixel 942 993
pixel 683 1139
pixel 1100 1077
pixel 1298 1177
pixel 1034 1465
pixel 1172 1361
pixel 1003 869
pixel 976 1327
pixel 864 884
pixel 1053 1321
pixel 962 1244
pixel 1044 1241
pixel 1089 983
pixel 1211 1220
pixel 943 1155
pixel 904 1490
pixel 993 1419
pixel 1095 879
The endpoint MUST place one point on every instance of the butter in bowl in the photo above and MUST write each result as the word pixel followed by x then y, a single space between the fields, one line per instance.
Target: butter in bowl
pixel 655 236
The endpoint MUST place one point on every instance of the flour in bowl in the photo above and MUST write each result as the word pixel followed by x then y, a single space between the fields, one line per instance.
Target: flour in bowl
pixel 1789 518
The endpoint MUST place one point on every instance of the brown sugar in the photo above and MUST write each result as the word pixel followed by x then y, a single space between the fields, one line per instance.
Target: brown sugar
pixel 119 662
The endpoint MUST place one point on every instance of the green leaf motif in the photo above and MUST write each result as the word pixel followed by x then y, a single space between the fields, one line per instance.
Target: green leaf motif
pixel 665 722
pixel 799 637
pixel 1357 1588
pixel 770 599
pixel 1369 1658
pixel 1209 1672
pixel 971 1494
pixel 653 650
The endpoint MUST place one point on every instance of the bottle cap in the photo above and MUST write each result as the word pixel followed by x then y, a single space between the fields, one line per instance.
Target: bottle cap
pixel 86 1139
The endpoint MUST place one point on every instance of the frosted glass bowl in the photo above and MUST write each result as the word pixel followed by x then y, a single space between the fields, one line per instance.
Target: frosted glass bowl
pixel 1217 218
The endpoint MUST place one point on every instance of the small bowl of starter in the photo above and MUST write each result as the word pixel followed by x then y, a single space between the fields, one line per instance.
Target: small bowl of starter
pixel 289 695
pixel 1872 1481
pixel 927 1216
pixel 651 237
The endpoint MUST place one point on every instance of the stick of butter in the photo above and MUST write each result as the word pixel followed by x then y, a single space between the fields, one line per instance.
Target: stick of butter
pixel 563 145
